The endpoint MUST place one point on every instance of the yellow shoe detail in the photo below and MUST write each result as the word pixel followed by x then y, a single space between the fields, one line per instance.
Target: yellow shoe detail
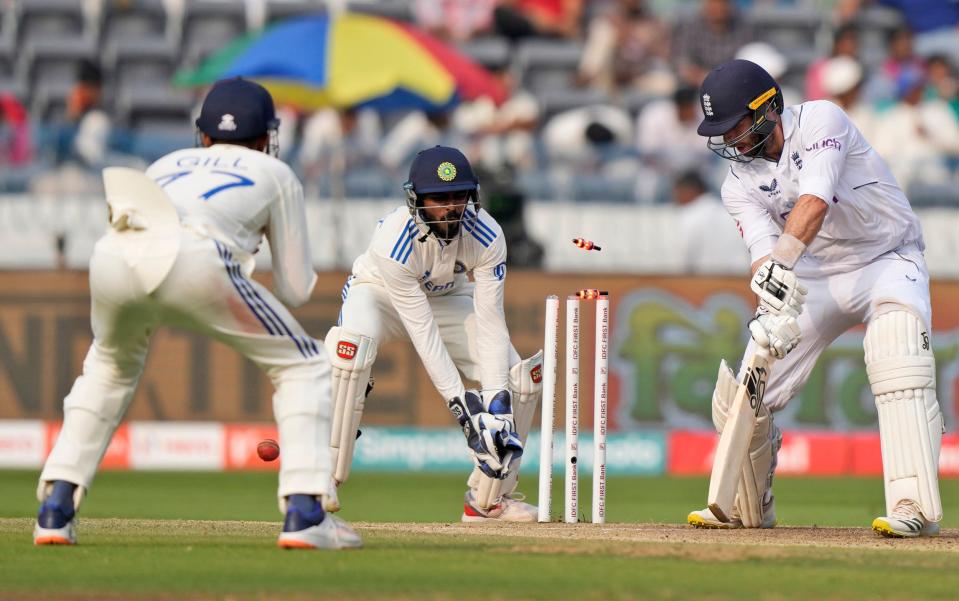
pixel 697 521
pixel 882 528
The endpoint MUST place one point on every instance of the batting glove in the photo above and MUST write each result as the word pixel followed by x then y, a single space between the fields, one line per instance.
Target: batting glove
pixel 778 333
pixel 778 289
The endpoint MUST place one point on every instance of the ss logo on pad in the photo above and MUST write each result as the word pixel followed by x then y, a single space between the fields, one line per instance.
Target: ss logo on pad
pixel 345 350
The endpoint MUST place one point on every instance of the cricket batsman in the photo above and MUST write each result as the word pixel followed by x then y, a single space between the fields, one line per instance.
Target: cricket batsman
pixel 412 283
pixel 834 243
pixel 179 251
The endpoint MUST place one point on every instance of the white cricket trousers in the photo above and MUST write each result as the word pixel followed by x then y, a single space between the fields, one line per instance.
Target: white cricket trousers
pixel 367 310
pixel 205 291
pixel 836 303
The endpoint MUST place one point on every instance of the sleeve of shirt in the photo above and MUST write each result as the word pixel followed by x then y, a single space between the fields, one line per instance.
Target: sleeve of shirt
pixel 492 336
pixel 825 135
pixel 414 310
pixel 755 224
pixel 293 275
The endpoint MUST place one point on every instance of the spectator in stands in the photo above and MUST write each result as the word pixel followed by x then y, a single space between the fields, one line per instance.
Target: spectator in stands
pixel 517 19
pixel 917 136
pixel 454 20
pixel 666 135
pixel 942 82
pixel 841 81
pixel 289 117
pixel 415 131
pixel 588 138
pixel 91 135
pixel 627 46
pixel 845 42
pixel 881 89
pixel 506 204
pixel 708 240
pixel 501 136
pixel 335 141
pixel 708 38
pixel 927 16
pixel 16 148
pixel 774 63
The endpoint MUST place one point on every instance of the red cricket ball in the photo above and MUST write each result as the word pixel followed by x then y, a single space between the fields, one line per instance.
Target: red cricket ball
pixel 268 449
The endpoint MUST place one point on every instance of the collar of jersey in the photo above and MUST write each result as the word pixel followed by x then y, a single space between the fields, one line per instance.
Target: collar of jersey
pixel 789 123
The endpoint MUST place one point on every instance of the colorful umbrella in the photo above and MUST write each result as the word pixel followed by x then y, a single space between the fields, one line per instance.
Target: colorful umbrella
pixel 350 60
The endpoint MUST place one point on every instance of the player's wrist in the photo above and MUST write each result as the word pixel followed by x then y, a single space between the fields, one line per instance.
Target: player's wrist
pixel 788 250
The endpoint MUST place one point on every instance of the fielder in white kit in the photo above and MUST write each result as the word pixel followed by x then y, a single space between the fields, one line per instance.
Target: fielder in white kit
pixel 834 243
pixel 412 283
pixel 179 251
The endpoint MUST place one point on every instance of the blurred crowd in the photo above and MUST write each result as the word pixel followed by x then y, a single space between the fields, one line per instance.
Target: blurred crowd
pixel 615 121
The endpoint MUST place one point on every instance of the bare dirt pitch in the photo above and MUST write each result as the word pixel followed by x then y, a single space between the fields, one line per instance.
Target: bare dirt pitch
pixel 673 534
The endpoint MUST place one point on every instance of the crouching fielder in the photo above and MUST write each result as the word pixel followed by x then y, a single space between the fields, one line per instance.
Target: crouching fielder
pixel 179 251
pixel 834 244
pixel 412 283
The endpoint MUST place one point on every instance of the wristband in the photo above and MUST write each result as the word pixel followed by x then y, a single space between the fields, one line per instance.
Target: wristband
pixel 788 250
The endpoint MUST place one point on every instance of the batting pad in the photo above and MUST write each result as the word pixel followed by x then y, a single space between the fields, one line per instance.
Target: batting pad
pixel 351 357
pixel 902 373
pixel 760 463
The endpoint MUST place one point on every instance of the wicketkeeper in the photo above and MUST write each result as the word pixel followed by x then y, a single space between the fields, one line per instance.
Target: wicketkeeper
pixel 412 283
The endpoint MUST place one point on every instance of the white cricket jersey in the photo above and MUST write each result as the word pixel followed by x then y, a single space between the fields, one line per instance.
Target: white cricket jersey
pixel 412 265
pixel 826 156
pixel 237 195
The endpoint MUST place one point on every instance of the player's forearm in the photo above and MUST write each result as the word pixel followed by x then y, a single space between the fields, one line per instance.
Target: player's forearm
pixel 492 336
pixel 806 218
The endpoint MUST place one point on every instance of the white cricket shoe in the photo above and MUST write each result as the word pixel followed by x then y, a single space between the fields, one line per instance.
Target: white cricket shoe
pixel 906 521
pixel 331 533
pixel 508 509
pixel 704 518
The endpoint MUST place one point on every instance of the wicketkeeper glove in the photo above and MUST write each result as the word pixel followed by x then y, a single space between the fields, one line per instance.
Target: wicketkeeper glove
pixel 486 434
pixel 508 442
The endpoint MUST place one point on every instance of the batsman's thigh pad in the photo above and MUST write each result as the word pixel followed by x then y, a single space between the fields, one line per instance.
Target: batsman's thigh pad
pixel 351 358
pixel 760 464
pixel 526 384
pixel 902 373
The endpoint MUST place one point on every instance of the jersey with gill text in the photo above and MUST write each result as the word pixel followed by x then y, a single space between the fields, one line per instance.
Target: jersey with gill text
pixel 412 265
pixel 826 156
pixel 236 195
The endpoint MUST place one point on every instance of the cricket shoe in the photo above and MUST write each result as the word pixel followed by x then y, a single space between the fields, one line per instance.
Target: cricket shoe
pixel 307 526
pixel 704 518
pixel 509 509
pixel 906 521
pixel 57 519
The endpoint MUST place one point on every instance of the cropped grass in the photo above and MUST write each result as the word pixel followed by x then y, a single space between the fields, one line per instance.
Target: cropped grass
pixel 212 535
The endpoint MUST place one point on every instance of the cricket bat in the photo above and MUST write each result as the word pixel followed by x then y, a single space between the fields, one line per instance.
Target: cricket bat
pixel 734 441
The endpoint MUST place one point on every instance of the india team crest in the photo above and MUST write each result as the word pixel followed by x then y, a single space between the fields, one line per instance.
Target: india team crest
pixel 446 171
